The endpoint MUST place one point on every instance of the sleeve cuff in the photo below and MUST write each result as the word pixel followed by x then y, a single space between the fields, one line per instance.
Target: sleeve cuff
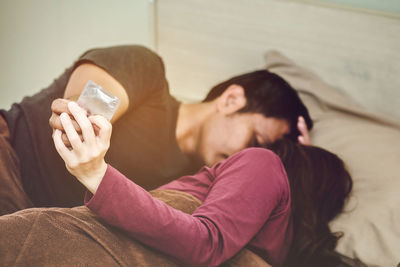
pixel 104 190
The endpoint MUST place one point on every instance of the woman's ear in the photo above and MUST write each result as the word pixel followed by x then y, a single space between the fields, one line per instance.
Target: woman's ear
pixel 231 100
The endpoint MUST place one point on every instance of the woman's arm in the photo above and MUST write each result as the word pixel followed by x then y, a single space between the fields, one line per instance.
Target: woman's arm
pixel 237 206
pixel 85 158
pixel 245 192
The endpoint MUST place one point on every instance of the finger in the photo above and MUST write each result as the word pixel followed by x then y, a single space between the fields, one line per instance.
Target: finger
pixel 55 123
pixel 62 150
pixel 60 105
pixel 66 140
pixel 75 124
pixel 105 128
pixel 96 129
pixel 72 135
pixel 85 124
pixel 300 139
pixel 302 127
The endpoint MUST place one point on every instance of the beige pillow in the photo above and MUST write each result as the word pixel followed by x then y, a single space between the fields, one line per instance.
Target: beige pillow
pixel 370 146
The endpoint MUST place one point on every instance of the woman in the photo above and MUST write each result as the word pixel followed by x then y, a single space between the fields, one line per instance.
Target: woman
pixel 246 201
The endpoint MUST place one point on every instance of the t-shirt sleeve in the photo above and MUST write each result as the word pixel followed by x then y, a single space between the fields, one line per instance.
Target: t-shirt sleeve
pixel 247 188
pixel 139 70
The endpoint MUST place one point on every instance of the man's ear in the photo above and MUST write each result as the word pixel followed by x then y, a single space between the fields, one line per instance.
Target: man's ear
pixel 232 99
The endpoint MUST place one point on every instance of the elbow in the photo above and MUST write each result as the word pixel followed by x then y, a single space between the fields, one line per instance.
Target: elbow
pixel 203 262
pixel 209 255
pixel 209 248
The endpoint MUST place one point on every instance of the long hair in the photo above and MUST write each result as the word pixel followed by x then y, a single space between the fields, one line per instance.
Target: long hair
pixel 319 184
pixel 268 94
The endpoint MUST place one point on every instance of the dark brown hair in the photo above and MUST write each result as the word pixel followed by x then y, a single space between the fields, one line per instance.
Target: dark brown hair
pixel 268 94
pixel 319 184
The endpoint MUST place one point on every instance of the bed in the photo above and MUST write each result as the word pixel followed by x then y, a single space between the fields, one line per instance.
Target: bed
pixel 345 65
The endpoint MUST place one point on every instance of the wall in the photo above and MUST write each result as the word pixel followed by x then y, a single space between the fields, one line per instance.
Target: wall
pixel 204 42
pixel 40 38
pixel 386 7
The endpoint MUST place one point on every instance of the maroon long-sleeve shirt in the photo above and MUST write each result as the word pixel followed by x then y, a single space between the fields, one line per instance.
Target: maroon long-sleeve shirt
pixel 246 203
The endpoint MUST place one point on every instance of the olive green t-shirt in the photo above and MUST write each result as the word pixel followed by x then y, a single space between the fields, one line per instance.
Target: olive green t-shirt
pixel 143 143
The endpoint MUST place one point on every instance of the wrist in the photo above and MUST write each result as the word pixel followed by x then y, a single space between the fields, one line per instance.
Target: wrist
pixel 93 181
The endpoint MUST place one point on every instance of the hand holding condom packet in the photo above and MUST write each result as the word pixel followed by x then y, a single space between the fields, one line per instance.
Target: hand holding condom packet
pixel 97 101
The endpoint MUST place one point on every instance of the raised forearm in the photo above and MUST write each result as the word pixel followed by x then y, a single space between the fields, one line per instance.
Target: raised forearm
pixel 74 88
pixel 85 72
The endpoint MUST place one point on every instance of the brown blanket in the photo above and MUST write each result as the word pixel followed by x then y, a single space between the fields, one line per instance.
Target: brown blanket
pixel 12 194
pixel 61 236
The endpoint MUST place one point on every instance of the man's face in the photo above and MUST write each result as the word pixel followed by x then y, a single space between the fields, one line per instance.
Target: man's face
pixel 223 135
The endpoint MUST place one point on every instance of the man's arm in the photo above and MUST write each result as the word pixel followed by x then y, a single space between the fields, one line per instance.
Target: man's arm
pixel 75 86
pixel 88 71
pixel 133 73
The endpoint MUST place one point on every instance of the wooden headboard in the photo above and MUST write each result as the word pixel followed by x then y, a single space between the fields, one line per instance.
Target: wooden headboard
pixel 204 42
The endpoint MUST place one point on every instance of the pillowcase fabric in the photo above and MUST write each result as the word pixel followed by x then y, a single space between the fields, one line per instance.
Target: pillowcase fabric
pixel 369 144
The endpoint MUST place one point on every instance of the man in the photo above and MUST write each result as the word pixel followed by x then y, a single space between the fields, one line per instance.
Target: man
pixel 155 137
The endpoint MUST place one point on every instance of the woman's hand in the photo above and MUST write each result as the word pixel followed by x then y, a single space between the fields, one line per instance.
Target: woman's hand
pixel 85 159
pixel 59 106
pixel 304 137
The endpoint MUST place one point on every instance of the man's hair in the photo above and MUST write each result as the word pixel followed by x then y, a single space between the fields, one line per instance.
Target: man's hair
pixel 270 95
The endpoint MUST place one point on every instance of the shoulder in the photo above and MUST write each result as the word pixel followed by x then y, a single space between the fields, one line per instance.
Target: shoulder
pixel 118 49
pixel 139 70
pixel 124 60
pixel 122 53
pixel 255 162
pixel 266 168
pixel 257 152
pixel 254 156
pixel 256 170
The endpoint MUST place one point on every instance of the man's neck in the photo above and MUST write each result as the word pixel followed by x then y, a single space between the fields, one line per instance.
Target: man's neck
pixel 191 118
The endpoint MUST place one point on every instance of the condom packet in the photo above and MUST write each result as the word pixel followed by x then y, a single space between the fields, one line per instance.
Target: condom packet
pixel 97 101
